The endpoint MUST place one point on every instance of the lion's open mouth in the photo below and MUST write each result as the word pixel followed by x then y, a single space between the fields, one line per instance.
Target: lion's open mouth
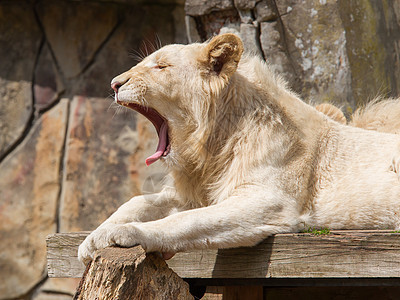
pixel 161 126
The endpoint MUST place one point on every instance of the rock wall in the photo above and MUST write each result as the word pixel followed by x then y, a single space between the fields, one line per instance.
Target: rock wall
pixel 68 157
pixel 343 52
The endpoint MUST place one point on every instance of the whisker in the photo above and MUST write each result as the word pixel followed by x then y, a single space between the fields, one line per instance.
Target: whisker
pixel 136 55
pixel 113 105
pixel 118 110
pixel 158 42
pixel 145 48
pixel 141 51
pixel 152 46
pixel 111 95
pixel 115 113
pixel 109 107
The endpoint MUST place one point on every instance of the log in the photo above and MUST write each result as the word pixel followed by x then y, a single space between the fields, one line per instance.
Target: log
pixel 130 273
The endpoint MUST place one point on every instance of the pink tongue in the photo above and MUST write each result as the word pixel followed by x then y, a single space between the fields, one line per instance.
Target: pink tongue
pixel 162 144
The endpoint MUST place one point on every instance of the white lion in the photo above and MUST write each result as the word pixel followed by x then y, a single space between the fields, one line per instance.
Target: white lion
pixel 248 157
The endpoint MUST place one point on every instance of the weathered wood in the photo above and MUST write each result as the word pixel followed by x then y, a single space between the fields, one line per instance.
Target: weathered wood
pixel 341 254
pixel 120 273
pixel 62 254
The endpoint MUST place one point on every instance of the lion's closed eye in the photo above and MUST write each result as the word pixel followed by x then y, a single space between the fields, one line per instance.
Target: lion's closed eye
pixel 161 65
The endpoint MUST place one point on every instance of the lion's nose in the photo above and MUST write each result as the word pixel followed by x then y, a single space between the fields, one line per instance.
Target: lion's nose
pixel 116 85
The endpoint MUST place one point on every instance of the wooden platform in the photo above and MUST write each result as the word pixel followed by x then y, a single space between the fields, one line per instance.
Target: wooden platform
pixel 341 258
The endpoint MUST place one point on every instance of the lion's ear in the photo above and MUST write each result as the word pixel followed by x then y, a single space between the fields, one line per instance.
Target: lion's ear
pixel 222 54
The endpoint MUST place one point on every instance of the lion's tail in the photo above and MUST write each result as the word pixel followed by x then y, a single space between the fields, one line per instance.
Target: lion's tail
pixel 379 115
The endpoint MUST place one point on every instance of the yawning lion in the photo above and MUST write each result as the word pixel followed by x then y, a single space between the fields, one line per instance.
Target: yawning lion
pixel 248 157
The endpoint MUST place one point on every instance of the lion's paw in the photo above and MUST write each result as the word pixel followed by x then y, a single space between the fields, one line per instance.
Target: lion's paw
pixel 107 235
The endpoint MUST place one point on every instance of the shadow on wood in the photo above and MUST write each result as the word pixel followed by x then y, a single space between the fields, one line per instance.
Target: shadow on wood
pixel 130 273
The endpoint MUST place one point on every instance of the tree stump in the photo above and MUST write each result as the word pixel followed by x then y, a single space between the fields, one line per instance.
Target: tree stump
pixel 130 273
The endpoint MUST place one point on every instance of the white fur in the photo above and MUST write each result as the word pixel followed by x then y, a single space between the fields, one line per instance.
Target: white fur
pixel 249 159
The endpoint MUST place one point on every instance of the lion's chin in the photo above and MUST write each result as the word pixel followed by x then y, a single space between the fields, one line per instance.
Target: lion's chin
pixel 159 123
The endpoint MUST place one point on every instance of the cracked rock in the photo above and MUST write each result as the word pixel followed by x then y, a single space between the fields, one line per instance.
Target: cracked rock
pixel 113 149
pixel 20 41
pixel 29 194
pixel 263 12
pixel 71 36
pixel 203 7
pixel 47 82
pixel 245 4
pixel 250 37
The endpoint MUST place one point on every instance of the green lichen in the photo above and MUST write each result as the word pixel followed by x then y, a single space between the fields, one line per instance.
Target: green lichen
pixel 315 231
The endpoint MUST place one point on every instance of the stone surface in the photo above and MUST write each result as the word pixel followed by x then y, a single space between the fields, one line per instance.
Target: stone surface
pixel 373 47
pixel 53 49
pixel 203 7
pixel 104 165
pixel 273 47
pixel 71 36
pixel 130 273
pixel 141 2
pixel 245 4
pixel 191 30
pixel 152 24
pixel 219 22
pixel 313 43
pixel 246 16
pixel 51 296
pixel 251 39
pixel 19 39
pixel 29 192
pixel 263 11
pixel 178 15
pixel 57 289
pixel 15 111
pixel 343 52
pixel 47 83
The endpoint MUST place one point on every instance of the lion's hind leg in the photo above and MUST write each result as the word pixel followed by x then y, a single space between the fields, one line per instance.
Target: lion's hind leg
pixel 332 112
pixel 395 165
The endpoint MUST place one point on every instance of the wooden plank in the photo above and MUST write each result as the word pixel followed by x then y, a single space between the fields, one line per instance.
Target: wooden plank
pixel 62 254
pixel 341 254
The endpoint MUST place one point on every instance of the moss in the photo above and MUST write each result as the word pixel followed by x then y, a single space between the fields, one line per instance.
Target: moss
pixel 315 231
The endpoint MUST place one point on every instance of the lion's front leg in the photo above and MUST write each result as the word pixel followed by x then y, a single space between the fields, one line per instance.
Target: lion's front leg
pixel 235 222
pixel 139 209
